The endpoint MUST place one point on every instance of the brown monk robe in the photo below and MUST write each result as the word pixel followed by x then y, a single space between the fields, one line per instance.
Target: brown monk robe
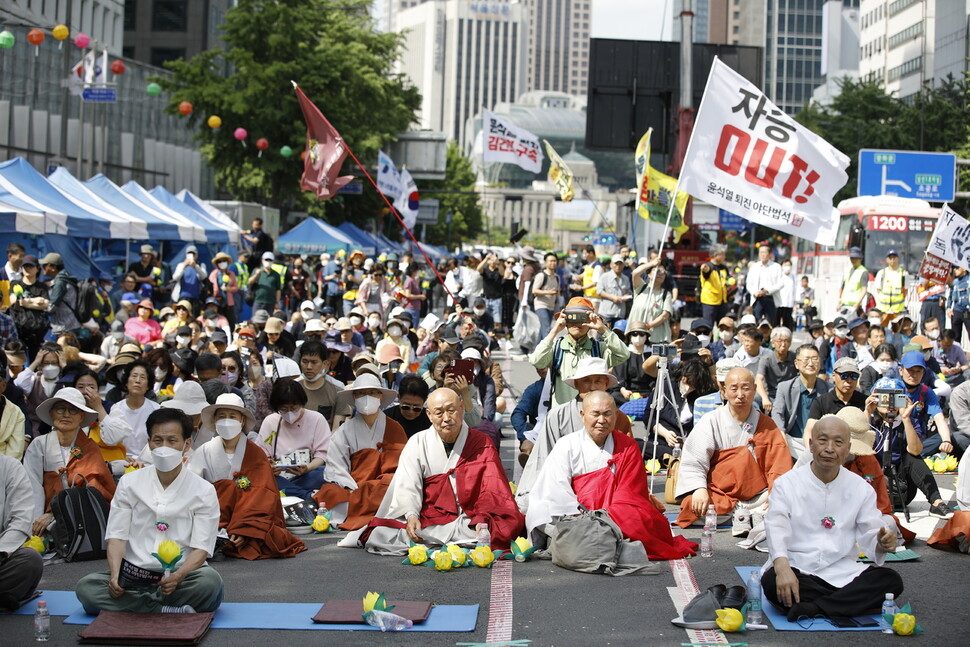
pixel 85 466
pixel 361 481
pixel 868 467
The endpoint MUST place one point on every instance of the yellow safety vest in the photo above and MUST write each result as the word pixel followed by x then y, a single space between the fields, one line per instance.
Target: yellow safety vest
pixel 589 293
pixel 891 284
pixel 714 288
pixel 281 270
pixel 852 285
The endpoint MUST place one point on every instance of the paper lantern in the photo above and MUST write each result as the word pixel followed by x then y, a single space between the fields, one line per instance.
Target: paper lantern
pixel 82 40
pixel 185 108
pixel 240 134
pixel 60 32
pixel 35 36
pixel 6 39
pixel 214 122
pixel 286 151
pixel 153 89
pixel 117 67
pixel 262 144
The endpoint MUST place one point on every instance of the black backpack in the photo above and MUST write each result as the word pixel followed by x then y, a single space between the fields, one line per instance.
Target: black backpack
pixel 80 523
pixel 87 300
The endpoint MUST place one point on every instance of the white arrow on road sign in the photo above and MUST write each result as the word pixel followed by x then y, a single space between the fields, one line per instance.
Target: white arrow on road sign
pixel 886 182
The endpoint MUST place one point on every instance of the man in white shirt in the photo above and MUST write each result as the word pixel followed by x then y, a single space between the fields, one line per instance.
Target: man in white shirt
pixel 817 514
pixel 764 282
pixel 161 502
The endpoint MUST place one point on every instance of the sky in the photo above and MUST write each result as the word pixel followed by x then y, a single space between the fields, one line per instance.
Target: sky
pixel 631 19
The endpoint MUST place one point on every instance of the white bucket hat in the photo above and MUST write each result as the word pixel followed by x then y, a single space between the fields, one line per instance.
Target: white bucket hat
pixel 589 366
pixel 189 399
pixel 228 401
pixel 74 398
pixel 366 382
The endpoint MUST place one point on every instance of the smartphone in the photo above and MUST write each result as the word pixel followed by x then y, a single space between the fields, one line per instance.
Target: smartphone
pixel 461 368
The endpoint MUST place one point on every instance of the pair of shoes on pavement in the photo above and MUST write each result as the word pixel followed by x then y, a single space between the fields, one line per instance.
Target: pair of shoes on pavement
pixel 941 510
pixel 729 597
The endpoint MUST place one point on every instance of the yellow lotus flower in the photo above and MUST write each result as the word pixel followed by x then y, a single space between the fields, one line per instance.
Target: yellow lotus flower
pixel 456 553
pixel 729 619
pixel 321 524
pixel 169 551
pixel 904 624
pixel 523 544
pixel 130 469
pixel 418 554
pixel 443 561
pixel 513 487
pixel 929 462
pixel 36 543
pixel 635 396
pixel 482 556
pixel 652 466
pixel 369 600
pixel 168 391
pixel 951 463
pixel 939 465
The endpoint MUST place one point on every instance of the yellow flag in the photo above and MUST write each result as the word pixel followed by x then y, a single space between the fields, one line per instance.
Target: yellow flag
pixel 559 173
pixel 655 191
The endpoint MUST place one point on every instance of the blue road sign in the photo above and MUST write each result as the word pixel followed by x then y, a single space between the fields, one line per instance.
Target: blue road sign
pixel 354 187
pixel 99 95
pixel 727 221
pixel 908 174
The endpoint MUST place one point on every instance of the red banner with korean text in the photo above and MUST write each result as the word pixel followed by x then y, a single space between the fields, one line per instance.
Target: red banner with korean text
pixel 748 157
pixel 934 269
pixel 508 144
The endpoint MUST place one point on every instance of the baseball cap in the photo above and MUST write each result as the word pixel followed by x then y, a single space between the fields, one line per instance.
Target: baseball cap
pixel 617 258
pixel 816 324
pixel 840 322
pixel 448 335
pixel 913 358
pixel 848 365
pixel 726 322
pixel 923 341
pixel 308 305
pixel 855 252
pixel 269 256
pixel 219 337
pixel 892 252
pixel 700 323
pixel 51 258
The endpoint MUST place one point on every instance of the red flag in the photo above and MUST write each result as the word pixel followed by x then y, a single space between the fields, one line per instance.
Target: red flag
pixel 325 152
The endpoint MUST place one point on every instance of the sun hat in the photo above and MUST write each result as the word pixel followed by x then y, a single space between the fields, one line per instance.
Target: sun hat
pixel 366 382
pixel 314 325
pixel 863 437
pixel 388 353
pixel 71 396
pixel 274 325
pixel 189 398
pixel 228 401
pixel 588 367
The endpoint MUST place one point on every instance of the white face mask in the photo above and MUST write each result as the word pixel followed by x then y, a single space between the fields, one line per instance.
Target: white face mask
pixel 875 321
pixel 166 459
pixel 374 323
pixel 182 340
pixel 267 264
pixel 160 374
pixel 367 404
pixel 479 311
pixel 842 332
pixel 881 366
pixel 705 340
pixel 394 331
pixel 356 321
pixel 255 371
pixel 684 388
pixel 786 269
pixel 229 377
pixel 223 265
pixel 227 428
pixel 933 334
pixel 727 336
pixel 292 416
pixel 50 372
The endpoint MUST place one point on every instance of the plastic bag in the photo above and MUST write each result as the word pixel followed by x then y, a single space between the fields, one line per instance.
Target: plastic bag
pixel 526 329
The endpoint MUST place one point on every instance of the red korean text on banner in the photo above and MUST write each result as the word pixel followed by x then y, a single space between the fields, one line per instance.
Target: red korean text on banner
pixel 934 269
pixel 325 152
pixel 508 144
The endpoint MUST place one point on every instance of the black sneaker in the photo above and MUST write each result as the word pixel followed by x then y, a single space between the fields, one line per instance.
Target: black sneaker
pixel 941 510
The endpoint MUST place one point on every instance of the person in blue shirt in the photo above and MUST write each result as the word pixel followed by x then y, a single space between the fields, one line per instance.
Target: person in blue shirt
pixel 926 406
pixel 526 413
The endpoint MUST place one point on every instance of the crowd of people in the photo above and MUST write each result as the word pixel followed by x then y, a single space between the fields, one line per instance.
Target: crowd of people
pixel 192 398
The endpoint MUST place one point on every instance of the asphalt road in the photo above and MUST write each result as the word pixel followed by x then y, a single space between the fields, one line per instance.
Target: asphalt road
pixel 551 606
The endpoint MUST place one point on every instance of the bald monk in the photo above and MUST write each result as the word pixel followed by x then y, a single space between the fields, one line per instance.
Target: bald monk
pixel 592 374
pixel 599 467
pixel 732 456
pixel 449 482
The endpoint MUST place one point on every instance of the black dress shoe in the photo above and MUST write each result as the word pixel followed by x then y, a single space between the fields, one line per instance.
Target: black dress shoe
pixel 734 598
pixel 719 591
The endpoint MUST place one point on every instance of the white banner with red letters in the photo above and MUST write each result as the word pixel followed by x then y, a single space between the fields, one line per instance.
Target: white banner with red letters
pixel 951 238
pixel 748 157
pixel 508 144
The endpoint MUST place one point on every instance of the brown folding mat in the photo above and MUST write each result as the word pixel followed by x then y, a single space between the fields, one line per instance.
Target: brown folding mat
pixel 123 628
pixel 349 612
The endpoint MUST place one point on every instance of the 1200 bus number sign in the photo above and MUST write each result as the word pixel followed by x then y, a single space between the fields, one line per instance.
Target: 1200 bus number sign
pixel 888 223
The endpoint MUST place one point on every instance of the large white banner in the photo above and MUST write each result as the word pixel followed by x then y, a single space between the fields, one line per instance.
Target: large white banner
pixel 748 157
pixel 510 144
pixel 388 177
pixel 951 238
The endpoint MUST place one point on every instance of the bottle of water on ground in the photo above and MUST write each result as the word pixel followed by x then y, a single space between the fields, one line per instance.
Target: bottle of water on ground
pixel 754 598
pixel 889 608
pixel 710 527
pixel 386 621
pixel 42 622
pixel 484 536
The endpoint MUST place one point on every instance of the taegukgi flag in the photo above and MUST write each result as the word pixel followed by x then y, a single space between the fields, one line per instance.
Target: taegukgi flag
pixel 388 177
pixel 325 152
pixel 509 144
pixel 748 157
pixel 408 202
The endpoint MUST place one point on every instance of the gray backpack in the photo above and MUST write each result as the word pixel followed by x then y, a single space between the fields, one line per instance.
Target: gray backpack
pixel 592 543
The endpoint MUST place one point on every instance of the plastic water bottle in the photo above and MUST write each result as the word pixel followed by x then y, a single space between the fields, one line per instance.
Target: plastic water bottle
pixel 42 623
pixel 387 621
pixel 677 452
pixel 711 519
pixel 889 608
pixel 710 527
pixel 484 536
pixel 754 598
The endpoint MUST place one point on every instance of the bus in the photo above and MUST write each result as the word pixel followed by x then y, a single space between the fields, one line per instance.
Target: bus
pixel 876 224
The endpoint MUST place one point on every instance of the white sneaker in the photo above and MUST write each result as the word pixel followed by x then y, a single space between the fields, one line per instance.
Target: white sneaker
pixel 185 608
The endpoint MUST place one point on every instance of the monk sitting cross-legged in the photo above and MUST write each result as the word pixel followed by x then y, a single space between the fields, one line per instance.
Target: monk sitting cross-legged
pixel 363 455
pixel 733 456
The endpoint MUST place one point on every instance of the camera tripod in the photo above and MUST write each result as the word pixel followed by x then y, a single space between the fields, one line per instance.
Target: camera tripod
pixel 889 469
pixel 663 391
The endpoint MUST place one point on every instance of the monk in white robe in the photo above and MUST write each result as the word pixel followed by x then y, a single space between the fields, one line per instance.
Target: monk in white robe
pixel 448 483
pixel 817 514
pixel 732 456
pixel 597 468
pixel 592 374
pixel 22 566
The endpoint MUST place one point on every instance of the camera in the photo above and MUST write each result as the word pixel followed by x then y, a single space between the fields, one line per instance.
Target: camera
pixel 663 350
pixel 892 399
pixel 577 317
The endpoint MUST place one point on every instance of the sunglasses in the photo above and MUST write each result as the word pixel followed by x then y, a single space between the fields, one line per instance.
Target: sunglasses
pixel 638 334
pixel 852 377
pixel 408 407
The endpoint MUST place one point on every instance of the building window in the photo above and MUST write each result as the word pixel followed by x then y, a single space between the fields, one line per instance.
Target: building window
pixel 169 15
pixel 128 52
pixel 130 12
pixel 905 35
pixel 162 54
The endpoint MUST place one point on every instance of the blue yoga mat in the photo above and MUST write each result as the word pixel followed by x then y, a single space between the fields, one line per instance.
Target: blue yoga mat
pixel 780 622
pixel 250 615
pixel 59 603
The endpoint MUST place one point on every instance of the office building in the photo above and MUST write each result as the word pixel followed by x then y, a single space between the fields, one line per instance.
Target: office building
pixel 840 50
pixel 156 31
pixel 102 20
pixel 558 45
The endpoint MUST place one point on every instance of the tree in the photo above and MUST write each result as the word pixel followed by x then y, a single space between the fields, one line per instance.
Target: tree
pixel 341 62
pixel 458 196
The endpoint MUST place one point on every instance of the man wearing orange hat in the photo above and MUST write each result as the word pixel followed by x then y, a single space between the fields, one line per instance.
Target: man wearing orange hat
pixel 562 355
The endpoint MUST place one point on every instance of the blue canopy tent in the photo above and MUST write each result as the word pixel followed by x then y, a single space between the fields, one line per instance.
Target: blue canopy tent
pixel 216 232
pixel 17 220
pixel 207 209
pixel 112 193
pixel 387 244
pixel 314 236
pixel 364 241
